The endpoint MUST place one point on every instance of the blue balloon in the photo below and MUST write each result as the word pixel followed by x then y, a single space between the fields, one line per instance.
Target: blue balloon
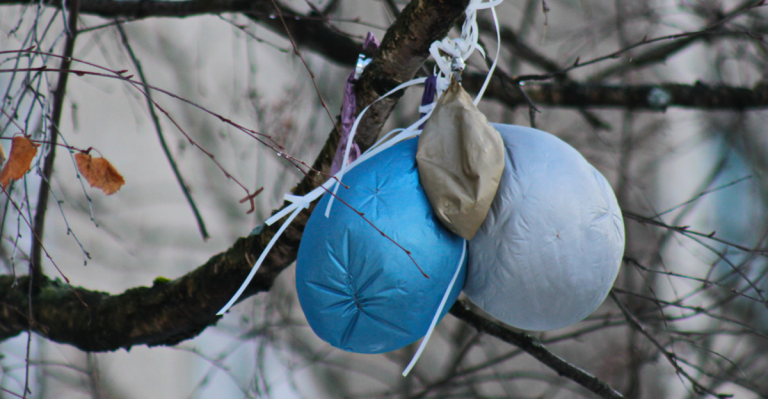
pixel 359 291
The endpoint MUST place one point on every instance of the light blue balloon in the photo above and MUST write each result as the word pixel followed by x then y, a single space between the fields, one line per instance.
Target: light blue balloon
pixel 550 248
pixel 359 291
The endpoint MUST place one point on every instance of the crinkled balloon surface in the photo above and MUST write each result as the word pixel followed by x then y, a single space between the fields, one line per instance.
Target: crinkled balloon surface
pixel 358 290
pixel 461 159
pixel 550 248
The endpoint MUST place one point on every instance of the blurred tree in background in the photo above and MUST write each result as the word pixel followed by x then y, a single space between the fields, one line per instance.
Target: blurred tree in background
pixel 202 103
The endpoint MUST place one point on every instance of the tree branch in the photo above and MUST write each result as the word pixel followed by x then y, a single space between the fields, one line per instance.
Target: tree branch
pixel 661 53
pixel 161 136
pixel 312 33
pixel 638 97
pixel 404 48
pixel 112 9
pixel 166 313
pixel 533 347
pixel 647 58
pixel 45 182
pixel 518 48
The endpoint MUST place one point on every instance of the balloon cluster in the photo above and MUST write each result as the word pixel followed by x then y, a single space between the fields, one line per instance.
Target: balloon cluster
pixel 545 256
pixel 513 216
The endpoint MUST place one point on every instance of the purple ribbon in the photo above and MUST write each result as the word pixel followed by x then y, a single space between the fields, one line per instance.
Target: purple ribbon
pixel 430 89
pixel 370 40
pixel 348 109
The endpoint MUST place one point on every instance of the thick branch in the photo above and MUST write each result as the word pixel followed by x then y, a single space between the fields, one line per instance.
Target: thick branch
pixel 145 9
pixel 312 33
pixel 637 97
pixel 164 314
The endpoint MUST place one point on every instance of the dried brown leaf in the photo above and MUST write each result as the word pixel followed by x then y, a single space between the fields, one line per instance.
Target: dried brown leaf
pixel 99 173
pixel 23 151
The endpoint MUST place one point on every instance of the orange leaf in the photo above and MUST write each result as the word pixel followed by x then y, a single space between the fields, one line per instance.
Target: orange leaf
pixel 99 173
pixel 23 151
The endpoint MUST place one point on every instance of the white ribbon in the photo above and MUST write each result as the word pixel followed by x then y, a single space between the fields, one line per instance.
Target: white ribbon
pixel 436 318
pixel 463 47
pixel 495 59
pixel 423 109
pixel 258 263
pixel 352 133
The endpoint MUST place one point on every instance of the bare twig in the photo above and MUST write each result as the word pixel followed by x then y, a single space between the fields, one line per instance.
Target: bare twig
pixel 533 347
pixel 309 70
pixel 161 137
pixel 686 231
pixel 671 357
pixel 58 106
pixel 709 30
